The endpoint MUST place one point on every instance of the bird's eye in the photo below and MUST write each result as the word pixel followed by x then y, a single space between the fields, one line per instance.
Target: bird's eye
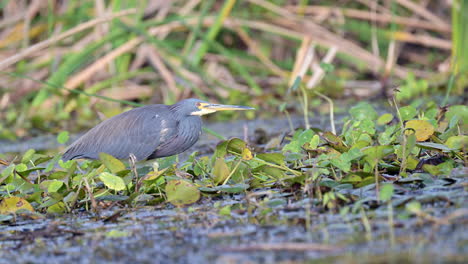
pixel 198 104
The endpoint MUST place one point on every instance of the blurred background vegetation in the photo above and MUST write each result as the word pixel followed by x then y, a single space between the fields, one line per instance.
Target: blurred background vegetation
pixel 62 63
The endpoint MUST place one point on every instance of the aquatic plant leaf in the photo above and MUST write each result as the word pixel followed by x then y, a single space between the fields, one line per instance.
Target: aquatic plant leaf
pixel 432 145
pixel 21 167
pixel 351 178
pixel 181 192
pixel 276 158
pixel 113 164
pixel 226 210
pixel 298 140
pixel 272 172
pixel 385 119
pixel 460 111
pixel 376 153
pixel 335 142
pixel 112 182
pixel 314 142
pixel 221 149
pixel 237 188
pixel 25 173
pixel 12 204
pixel 154 175
pixel 363 111
pixel 220 171
pixel 386 192
pixel 388 136
pixel 54 186
pixel 422 129
pixel 457 142
pixel 236 145
pixel 28 155
pixel 63 137
pixel 413 207
pixel 444 168
pixel 57 208
pixel 114 233
pixel 407 112
pixel 7 171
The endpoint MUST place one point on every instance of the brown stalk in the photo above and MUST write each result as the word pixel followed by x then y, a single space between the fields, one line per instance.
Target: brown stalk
pixel 155 59
pixel 129 91
pixel 423 12
pixel 423 40
pixel 85 74
pixel 366 15
pixel 303 54
pixel 253 47
pixel 324 37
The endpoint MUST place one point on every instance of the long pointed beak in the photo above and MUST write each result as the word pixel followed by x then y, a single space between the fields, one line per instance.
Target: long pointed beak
pixel 220 107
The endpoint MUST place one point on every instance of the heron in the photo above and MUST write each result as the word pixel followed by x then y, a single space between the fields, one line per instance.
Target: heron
pixel 148 132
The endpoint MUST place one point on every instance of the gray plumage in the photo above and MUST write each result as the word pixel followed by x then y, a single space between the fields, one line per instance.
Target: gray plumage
pixel 147 132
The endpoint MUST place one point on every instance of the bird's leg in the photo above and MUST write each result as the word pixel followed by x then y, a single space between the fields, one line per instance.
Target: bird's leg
pixel 132 159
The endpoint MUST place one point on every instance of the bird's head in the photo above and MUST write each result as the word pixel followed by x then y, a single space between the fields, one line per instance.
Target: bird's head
pixel 198 107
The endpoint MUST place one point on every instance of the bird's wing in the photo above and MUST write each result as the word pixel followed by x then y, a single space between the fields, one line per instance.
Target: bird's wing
pixel 138 131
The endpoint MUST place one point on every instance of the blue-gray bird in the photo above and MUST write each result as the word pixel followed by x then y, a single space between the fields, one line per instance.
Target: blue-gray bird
pixel 147 132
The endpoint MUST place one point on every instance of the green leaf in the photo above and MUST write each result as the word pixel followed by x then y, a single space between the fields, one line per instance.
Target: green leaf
pixel 363 111
pixel 21 167
pixel 237 188
pixel 376 153
pixel 342 164
pixel 386 192
pixel 112 182
pixel 385 119
pixel 276 158
pixel 8 170
pixel 27 155
pixel 226 210
pixel 388 136
pixel 220 171
pixel 57 208
pixel 413 207
pixel 181 192
pixel 54 186
pixel 298 140
pixel 335 142
pixel 221 149
pixel 314 142
pixel 63 137
pixel 457 142
pixel 431 145
pixel 114 233
pixel 458 110
pixel 113 164
pixel 408 112
pixel 351 178
pixel 236 145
